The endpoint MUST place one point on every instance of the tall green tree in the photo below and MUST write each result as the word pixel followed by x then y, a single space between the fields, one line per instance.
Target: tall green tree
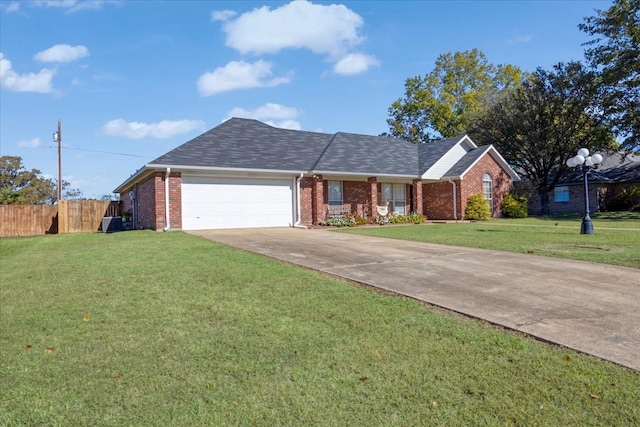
pixel 539 125
pixel 615 53
pixel 444 102
pixel 19 185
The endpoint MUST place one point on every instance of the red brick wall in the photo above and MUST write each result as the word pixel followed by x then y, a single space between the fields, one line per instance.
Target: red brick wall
pixel 150 202
pixel 437 200
pixel 472 183
pixel 306 200
pixel 318 196
pixel 146 203
pixel 175 200
pixel 576 200
pixel 355 196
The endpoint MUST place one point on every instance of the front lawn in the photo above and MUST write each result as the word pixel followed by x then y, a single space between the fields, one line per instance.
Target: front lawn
pixel 616 239
pixel 144 328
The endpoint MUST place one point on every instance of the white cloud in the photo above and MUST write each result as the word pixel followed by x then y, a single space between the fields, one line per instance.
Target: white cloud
pixel 161 130
pixel 29 143
pixel 285 124
pixel 12 7
pixel 222 15
pixel 331 29
pixel 62 53
pixel 520 39
pixel 238 75
pixel 270 111
pixel 31 82
pixel 76 5
pixel 354 63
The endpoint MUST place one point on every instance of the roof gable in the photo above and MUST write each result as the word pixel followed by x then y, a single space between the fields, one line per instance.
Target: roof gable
pixel 437 157
pixel 466 162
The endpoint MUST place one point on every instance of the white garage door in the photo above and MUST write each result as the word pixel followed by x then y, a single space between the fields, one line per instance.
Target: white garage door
pixel 209 203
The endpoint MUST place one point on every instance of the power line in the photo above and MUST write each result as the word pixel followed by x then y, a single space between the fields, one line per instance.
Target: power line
pixel 100 151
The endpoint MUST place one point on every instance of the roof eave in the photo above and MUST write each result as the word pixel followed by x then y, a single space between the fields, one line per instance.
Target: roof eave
pixel 364 174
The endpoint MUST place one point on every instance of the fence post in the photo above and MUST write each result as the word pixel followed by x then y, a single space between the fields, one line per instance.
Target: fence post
pixel 63 217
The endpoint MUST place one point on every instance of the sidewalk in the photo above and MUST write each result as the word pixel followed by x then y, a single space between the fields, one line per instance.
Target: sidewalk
pixel 592 308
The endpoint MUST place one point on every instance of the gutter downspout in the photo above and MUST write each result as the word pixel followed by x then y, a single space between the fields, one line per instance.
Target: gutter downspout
pixel 455 200
pixel 167 211
pixel 298 215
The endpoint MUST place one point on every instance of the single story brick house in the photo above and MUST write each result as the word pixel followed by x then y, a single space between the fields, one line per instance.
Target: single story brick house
pixel 616 174
pixel 244 173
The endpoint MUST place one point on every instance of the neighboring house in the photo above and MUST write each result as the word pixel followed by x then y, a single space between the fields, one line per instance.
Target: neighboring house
pixel 615 174
pixel 244 173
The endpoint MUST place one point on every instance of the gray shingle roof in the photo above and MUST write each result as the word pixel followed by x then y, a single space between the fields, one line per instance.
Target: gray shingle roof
pixel 249 144
pixel 614 168
pixel 348 152
pixel 246 144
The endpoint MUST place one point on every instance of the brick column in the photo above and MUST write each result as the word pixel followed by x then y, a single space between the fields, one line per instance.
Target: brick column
pixel 417 196
pixel 373 196
pixel 317 201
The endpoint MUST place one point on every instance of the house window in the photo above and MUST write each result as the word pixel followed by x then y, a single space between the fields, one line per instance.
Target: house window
pixel 487 189
pixel 335 198
pixel 561 194
pixel 395 195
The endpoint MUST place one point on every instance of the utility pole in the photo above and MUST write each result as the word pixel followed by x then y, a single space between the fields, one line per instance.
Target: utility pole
pixel 57 137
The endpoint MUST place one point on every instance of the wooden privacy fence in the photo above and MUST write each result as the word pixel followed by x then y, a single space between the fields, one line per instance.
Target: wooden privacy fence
pixel 28 220
pixel 70 216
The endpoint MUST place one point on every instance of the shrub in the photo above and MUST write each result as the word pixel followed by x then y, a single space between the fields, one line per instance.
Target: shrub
pixel 477 208
pixel 416 218
pixel 627 199
pixel 514 206
pixel 356 219
pixel 381 220
pixel 397 219
pixel 349 220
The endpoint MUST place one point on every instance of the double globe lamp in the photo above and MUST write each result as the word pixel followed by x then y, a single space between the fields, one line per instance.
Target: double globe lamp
pixel 586 163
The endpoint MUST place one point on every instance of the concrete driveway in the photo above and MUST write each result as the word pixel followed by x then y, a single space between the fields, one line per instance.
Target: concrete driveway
pixel 592 308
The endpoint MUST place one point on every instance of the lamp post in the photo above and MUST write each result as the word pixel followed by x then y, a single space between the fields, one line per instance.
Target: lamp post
pixel 585 163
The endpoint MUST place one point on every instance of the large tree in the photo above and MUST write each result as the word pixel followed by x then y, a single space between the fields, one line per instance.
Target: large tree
pixel 444 102
pixel 539 125
pixel 615 53
pixel 21 186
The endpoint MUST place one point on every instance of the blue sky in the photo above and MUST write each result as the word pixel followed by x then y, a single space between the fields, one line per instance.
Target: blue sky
pixel 131 80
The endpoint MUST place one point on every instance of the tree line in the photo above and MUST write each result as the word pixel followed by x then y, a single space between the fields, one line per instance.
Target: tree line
pixel 535 119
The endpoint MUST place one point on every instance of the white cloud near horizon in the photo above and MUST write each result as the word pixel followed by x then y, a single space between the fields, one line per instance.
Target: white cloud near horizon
pixel 161 130
pixel 62 53
pixel 29 143
pixel 239 75
pixel 331 30
pixel 270 111
pixel 40 82
pixel 354 63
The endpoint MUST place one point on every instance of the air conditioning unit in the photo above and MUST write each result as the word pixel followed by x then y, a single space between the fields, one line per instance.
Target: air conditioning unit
pixel 111 224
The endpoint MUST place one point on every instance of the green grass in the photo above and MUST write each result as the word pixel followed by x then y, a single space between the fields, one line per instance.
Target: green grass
pixel 185 332
pixel 616 239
